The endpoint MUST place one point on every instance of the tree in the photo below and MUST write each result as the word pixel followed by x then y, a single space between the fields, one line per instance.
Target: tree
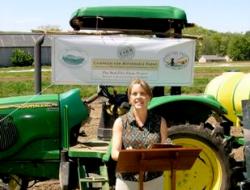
pixel 224 44
pixel 235 45
pixel 49 28
pixel 21 58
pixel 247 33
pixel 239 48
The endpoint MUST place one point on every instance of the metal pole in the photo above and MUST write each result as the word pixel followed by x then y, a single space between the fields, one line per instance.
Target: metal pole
pixel 38 70
pixel 246 125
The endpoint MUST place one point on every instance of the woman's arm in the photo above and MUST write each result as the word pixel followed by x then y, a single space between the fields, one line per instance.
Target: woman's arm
pixel 116 139
pixel 164 130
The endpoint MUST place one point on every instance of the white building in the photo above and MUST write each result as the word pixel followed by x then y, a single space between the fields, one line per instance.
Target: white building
pixel 213 58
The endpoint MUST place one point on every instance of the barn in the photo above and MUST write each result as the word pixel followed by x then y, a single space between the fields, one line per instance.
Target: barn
pixel 9 41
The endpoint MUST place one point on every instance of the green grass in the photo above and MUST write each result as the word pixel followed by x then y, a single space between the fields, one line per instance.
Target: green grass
pixel 22 83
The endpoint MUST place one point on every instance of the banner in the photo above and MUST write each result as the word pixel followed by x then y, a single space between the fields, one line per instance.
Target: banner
pixel 116 60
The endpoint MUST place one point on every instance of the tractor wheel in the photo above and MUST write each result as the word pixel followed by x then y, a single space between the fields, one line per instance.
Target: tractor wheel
pixel 211 170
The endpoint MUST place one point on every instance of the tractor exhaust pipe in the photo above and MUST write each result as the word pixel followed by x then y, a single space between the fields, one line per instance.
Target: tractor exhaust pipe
pixel 38 65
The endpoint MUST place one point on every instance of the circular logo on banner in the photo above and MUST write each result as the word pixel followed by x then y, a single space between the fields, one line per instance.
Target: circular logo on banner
pixel 126 52
pixel 74 57
pixel 176 60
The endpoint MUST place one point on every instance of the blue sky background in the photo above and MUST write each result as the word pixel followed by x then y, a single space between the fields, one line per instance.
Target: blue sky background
pixel 218 15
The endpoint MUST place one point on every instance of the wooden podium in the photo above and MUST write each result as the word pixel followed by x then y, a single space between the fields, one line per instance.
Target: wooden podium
pixel 157 159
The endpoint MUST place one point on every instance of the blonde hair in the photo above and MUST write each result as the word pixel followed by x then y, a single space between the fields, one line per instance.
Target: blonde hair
pixel 143 84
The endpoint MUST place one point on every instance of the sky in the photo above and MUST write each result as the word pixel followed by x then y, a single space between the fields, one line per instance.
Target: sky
pixel 218 15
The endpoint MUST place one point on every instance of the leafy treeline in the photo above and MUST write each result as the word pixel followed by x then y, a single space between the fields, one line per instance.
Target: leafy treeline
pixel 235 45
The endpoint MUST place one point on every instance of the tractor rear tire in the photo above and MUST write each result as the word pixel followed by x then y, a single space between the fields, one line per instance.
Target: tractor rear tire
pixel 211 169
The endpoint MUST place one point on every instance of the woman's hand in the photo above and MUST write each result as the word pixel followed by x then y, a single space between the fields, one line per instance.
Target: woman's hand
pixel 129 148
pixel 168 141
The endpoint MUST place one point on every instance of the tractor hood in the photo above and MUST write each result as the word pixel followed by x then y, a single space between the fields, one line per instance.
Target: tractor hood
pixel 206 100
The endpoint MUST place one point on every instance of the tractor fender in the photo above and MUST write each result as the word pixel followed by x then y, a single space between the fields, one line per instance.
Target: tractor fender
pixel 186 108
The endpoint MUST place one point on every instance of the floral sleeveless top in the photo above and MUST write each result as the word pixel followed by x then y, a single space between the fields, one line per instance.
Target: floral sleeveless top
pixel 140 137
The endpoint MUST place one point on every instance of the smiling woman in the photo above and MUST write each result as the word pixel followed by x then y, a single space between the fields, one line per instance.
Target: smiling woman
pixel 138 129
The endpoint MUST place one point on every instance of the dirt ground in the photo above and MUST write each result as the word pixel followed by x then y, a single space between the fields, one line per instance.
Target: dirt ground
pixel 90 129
pixel 46 185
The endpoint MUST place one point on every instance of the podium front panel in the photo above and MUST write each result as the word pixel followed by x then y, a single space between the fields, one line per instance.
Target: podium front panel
pixel 158 159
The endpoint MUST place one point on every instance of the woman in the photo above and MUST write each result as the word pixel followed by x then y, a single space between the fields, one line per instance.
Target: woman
pixel 139 128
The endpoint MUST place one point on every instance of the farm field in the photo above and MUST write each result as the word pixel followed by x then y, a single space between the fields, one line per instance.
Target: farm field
pixel 16 81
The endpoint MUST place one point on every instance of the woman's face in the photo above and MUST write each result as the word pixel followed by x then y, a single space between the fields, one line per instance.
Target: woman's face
pixel 138 98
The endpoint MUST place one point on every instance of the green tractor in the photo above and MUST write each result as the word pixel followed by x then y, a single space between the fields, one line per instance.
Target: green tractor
pixel 38 134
